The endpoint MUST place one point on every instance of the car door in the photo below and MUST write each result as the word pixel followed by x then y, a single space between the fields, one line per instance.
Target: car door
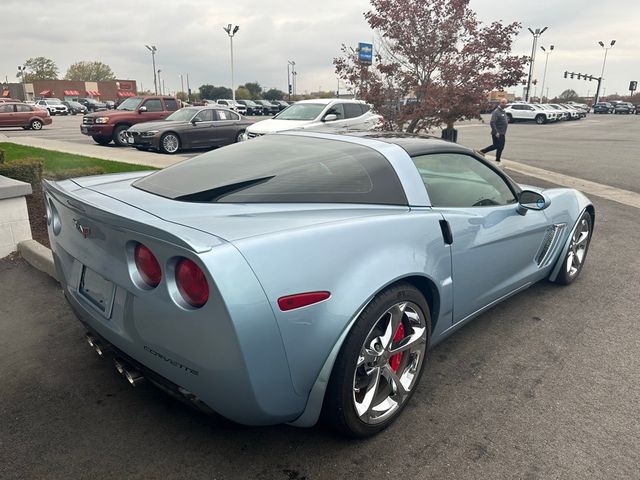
pixel 494 245
pixel 23 114
pixel 7 117
pixel 224 127
pixel 338 125
pixel 155 110
pixel 201 131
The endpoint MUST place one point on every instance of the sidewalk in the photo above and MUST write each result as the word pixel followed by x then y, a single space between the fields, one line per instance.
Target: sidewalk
pixel 111 152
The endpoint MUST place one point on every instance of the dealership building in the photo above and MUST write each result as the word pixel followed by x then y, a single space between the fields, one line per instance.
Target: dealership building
pixel 70 90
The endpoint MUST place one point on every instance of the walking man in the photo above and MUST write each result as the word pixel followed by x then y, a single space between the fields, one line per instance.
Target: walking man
pixel 499 123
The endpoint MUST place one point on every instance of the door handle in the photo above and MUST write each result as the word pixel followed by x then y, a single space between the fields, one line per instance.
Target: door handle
pixel 447 235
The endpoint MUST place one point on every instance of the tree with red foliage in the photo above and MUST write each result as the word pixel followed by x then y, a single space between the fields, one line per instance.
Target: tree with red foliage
pixel 435 62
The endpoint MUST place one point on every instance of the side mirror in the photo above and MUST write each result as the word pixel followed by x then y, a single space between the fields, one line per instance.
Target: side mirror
pixel 331 117
pixel 142 109
pixel 530 200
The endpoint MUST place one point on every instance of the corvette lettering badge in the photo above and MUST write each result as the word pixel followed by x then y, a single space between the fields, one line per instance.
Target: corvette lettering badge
pixel 85 231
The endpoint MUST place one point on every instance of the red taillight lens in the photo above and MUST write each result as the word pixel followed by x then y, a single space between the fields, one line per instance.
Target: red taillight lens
pixel 148 266
pixel 192 283
pixel 298 300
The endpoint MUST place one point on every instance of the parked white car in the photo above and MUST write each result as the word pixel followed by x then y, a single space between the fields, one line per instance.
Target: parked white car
pixel 54 105
pixel 528 111
pixel 233 105
pixel 326 114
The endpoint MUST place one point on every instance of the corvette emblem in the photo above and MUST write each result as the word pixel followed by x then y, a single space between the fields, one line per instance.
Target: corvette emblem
pixel 85 231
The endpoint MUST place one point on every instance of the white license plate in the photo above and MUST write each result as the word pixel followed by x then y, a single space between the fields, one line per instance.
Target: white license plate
pixel 97 290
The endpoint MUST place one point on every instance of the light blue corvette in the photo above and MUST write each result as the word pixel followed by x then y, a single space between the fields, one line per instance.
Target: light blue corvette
pixel 303 272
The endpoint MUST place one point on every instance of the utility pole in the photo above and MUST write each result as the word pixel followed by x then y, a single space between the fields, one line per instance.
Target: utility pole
pixel 23 72
pixel 536 35
pixel 188 89
pixel 153 51
pixel 231 31
pixel 181 83
pixel 606 50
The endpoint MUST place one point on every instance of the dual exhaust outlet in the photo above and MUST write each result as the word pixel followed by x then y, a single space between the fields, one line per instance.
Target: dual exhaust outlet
pixel 131 374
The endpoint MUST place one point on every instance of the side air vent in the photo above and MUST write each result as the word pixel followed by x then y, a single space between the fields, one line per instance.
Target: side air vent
pixel 549 243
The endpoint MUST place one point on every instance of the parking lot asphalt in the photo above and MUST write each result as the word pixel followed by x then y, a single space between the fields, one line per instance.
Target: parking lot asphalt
pixel 544 385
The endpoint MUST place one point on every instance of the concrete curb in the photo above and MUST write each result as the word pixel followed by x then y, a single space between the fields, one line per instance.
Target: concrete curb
pixel 38 256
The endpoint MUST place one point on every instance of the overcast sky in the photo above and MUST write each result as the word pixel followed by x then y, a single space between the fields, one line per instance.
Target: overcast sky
pixel 190 39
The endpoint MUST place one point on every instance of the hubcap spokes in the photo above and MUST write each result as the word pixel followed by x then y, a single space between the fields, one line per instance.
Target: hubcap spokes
pixel 170 143
pixel 578 247
pixel 389 362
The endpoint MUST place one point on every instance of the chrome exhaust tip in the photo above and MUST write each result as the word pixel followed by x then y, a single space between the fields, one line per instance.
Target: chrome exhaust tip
pixel 90 340
pixel 119 366
pixel 133 377
pixel 101 349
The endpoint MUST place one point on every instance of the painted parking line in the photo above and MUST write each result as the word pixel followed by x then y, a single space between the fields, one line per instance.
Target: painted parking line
pixel 619 195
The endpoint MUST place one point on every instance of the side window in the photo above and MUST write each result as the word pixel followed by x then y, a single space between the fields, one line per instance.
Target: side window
pixel 365 108
pixel 171 104
pixel 23 108
pixel 204 116
pixel 153 105
pixel 6 108
pixel 337 109
pixel 41 102
pixel 223 114
pixel 457 180
pixel 352 110
pixel 234 116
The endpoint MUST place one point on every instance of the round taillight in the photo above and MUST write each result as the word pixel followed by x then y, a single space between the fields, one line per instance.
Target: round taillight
pixel 148 266
pixel 191 283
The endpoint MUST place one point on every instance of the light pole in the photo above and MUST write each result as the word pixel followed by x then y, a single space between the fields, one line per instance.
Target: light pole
pixel 153 51
pixel 231 31
pixel 181 84
pixel 544 76
pixel 535 34
pixel 159 83
pixel 606 50
pixel 292 64
pixel 23 71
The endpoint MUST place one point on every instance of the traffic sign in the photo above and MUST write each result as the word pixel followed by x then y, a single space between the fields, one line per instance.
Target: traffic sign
pixel 633 85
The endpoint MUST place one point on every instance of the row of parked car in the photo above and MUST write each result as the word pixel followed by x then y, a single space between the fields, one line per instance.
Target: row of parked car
pixel 616 106
pixel 542 113
pixel 158 123
pixel 251 107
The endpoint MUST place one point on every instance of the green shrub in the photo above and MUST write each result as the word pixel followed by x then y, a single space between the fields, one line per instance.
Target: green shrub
pixel 26 170
pixel 74 172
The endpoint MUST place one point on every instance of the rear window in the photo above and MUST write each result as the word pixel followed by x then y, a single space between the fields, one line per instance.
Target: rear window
pixel 281 169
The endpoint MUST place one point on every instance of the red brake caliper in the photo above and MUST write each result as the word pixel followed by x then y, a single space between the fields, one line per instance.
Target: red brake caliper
pixel 395 360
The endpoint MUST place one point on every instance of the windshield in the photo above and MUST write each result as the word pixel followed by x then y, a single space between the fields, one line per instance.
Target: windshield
pixel 182 115
pixel 130 104
pixel 301 111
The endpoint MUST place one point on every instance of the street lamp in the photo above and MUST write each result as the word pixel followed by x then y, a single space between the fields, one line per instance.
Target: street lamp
pixel 181 83
pixel 23 71
pixel 535 34
pixel 544 76
pixel 292 64
pixel 159 83
pixel 153 51
pixel 606 50
pixel 231 31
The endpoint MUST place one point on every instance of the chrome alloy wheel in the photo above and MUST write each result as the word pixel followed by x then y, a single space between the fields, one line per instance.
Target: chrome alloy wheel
pixel 389 362
pixel 578 247
pixel 170 143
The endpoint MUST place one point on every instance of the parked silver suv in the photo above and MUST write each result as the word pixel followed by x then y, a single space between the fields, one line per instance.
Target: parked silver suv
pixel 54 105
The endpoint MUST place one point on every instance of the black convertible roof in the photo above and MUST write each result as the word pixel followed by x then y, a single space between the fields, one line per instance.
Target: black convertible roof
pixel 413 143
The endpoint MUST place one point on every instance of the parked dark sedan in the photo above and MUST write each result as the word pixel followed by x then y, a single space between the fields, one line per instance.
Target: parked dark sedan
pixel 75 107
pixel 281 104
pixel 92 104
pixel 189 127
pixel 268 108
pixel 625 107
pixel 603 107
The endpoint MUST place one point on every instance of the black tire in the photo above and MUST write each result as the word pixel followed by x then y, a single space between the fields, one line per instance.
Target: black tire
pixel 170 143
pixel 339 407
pixel 36 124
pixel 540 119
pixel 240 136
pixel 573 261
pixel 509 118
pixel 101 140
pixel 119 137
